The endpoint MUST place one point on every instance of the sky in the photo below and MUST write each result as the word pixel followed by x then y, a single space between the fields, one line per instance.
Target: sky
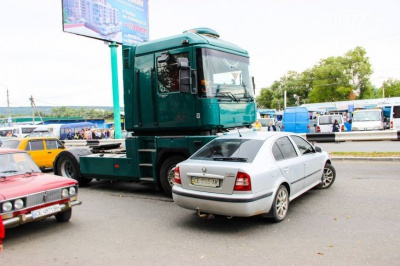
pixel 57 68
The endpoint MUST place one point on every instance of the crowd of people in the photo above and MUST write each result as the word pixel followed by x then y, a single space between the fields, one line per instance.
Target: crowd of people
pixel 94 133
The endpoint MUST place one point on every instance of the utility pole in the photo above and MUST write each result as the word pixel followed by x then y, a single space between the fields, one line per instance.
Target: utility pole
pixel 8 105
pixel 33 110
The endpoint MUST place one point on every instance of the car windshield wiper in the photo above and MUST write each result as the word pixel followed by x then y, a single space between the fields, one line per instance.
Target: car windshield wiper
pixel 231 159
pixel 9 171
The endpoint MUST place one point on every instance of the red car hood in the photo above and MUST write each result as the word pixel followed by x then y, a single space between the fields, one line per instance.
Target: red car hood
pixel 25 184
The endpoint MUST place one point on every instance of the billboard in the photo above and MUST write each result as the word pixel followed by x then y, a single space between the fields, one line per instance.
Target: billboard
pixel 121 21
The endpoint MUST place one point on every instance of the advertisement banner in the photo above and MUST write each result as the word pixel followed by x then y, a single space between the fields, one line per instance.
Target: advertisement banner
pixel 121 21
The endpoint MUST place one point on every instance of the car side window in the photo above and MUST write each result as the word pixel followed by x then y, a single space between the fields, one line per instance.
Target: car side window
pixel 35 145
pixel 277 152
pixel 285 146
pixel 302 145
pixel 51 144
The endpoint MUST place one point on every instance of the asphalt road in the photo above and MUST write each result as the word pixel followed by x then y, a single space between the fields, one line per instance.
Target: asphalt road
pixel 355 222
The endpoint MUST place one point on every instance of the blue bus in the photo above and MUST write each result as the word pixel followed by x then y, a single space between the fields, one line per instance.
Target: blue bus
pixel 73 127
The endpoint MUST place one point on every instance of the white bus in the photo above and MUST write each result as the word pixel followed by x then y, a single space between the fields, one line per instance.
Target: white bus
pixel 367 119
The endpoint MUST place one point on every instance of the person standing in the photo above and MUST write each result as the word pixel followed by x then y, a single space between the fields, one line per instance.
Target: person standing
pixel 335 126
pixel 271 127
pixel 2 233
pixel 70 135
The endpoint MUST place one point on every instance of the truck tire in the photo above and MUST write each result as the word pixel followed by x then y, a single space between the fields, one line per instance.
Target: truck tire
pixel 167 173
pixel 68 166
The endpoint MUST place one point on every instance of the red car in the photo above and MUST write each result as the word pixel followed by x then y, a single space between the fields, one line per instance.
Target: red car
pixel 27 194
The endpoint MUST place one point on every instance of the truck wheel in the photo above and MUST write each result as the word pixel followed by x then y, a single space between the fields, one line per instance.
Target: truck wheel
pixel 68 166
pixel 167 173
pixel 64 216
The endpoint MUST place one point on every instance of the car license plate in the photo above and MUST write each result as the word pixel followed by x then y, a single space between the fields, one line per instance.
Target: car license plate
pixel 46 211
pixel 205 182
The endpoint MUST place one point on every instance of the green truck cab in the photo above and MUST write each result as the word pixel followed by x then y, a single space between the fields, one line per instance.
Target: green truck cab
pixel 179 92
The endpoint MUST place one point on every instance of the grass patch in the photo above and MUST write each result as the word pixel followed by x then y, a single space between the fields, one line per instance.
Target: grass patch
pixel 365 154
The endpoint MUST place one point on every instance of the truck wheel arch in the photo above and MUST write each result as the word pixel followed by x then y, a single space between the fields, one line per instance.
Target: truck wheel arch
pixel 71 157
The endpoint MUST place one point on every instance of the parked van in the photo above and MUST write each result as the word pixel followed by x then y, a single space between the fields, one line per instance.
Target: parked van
pixel 391 115
pixel 296 119
pixel 19 131
pixel 324 123
pixel 368 119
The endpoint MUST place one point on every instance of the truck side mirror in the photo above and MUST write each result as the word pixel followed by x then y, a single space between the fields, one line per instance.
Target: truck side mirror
pixel 164 58
pixel 185 80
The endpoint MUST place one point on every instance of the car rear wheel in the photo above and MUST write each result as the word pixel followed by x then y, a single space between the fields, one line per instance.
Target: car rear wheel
pixel 167 173
pixel 328 176
pixel 68 166
pixel 64 216
pixel 280 206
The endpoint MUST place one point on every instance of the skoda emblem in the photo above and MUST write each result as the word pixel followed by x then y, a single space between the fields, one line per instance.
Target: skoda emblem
pixel 44 197
pixel 204 169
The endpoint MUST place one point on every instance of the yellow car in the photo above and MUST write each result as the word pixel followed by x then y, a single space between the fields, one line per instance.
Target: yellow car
pixel 43 150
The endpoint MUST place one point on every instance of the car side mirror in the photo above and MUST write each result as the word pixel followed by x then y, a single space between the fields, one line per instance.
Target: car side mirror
pixel 318 149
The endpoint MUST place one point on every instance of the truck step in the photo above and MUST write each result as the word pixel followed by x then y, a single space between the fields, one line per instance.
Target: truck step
pixel 146 164
pixel 146 150
pixel 147 179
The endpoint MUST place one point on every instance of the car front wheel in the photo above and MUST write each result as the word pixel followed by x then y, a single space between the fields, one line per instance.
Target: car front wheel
pixel 64 216
pixel 328 176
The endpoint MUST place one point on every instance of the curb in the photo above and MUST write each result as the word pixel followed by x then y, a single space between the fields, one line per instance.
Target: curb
pixel 376 159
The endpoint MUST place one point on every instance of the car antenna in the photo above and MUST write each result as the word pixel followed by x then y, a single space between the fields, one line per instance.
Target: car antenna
pixel 240 135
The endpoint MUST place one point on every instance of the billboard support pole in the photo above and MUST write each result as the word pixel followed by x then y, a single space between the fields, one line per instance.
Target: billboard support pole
pixel 114 76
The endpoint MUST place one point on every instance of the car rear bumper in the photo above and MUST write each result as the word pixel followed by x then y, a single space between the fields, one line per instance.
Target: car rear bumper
pixel 26 218
pixel 242 205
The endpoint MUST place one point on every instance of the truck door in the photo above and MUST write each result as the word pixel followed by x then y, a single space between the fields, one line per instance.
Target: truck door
pixel 175 109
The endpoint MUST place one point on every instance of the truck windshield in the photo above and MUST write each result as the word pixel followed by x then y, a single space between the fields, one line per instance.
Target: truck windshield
pixel 367 116
pixel 224 76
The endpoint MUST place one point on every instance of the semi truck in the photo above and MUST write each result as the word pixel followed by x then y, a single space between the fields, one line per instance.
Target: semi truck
pixel 179 93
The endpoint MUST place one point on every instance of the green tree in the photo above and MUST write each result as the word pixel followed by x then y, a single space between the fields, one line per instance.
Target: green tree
pixel 390 88
pixel 265 98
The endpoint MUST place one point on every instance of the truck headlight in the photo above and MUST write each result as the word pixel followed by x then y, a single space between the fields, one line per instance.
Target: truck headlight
pixel 7 206
pixel 18 204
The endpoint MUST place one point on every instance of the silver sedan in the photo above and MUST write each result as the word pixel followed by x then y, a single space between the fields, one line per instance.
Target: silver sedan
pixel 251 173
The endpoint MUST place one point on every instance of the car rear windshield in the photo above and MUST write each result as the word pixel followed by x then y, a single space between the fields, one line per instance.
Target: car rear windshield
pixel 238 150
pixel 10 144
pixel 329 119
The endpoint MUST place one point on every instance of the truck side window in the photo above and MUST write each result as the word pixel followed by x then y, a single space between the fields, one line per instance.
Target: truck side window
pixel 168 74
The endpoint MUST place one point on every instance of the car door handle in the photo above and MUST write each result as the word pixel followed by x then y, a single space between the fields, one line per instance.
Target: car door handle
pixel 49 152
pixel 306 163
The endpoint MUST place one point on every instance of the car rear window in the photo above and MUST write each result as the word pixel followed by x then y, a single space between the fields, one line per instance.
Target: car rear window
pixel 10 144
pixel 329 119
pixel 241 150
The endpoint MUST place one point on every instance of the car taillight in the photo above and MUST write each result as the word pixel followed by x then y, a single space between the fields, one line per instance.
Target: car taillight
pixel 177 176
pixel 391 124
pixel 318 129
pixel 342 128
pixel 243 182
